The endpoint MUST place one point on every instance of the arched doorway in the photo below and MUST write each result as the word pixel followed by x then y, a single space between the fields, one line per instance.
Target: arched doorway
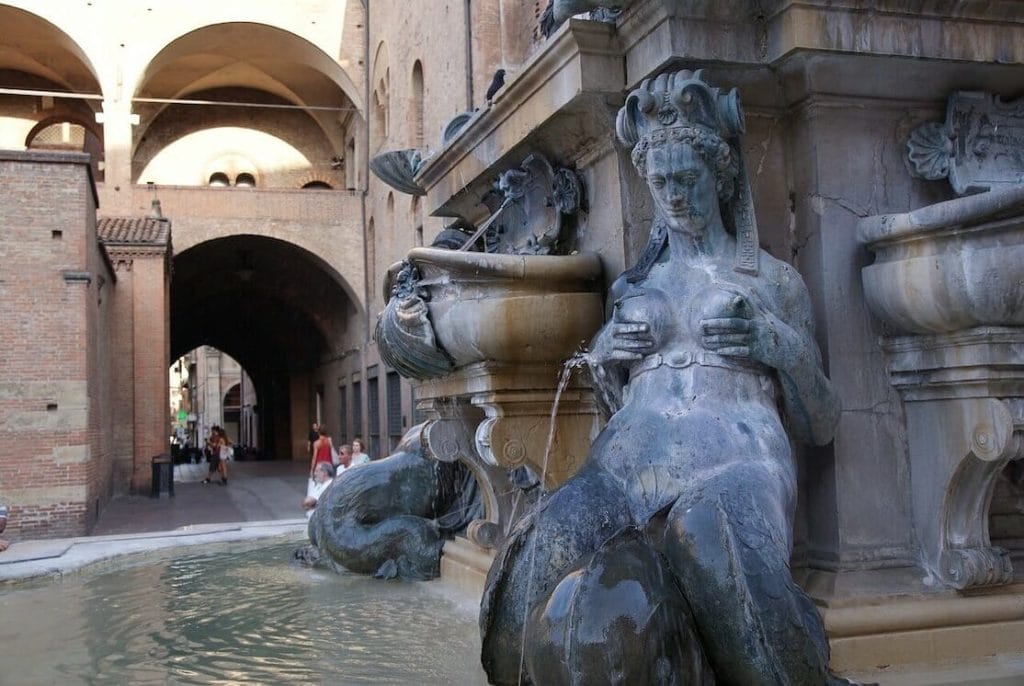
pixel 276 308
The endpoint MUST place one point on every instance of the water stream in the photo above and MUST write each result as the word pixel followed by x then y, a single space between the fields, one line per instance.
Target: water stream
pixel 236 616
pixel 578 360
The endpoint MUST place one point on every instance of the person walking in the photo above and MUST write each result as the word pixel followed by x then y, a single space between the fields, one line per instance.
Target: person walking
pixel 226 451
pixel 321 451
pixel 219 450
pixel 314 435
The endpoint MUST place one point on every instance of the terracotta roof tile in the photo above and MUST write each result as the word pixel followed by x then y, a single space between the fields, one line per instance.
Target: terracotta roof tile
pixel 133 230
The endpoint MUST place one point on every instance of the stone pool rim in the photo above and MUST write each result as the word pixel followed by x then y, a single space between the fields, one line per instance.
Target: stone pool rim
pixel 54 559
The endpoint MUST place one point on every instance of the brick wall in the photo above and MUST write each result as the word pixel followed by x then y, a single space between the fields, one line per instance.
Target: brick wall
pixel 54 459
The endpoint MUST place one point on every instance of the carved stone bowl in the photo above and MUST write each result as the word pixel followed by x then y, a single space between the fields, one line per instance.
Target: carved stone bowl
pixel 949 266
pixel 510 308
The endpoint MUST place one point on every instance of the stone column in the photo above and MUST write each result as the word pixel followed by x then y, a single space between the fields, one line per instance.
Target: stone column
pixel 117 120
pixel 857 492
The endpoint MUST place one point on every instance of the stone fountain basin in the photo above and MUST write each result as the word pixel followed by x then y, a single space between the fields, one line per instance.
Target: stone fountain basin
pixel 949 266
pixel 510 308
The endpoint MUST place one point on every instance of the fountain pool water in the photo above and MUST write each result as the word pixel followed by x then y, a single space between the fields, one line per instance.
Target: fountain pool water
pixel 237 615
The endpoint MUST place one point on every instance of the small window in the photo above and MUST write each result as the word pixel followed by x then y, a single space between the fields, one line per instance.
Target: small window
pixel 245 180
pixel 318 185
pixel 219 179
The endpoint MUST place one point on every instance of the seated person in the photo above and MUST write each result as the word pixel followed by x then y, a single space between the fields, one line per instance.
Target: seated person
pixel 344 458
pixel 323 476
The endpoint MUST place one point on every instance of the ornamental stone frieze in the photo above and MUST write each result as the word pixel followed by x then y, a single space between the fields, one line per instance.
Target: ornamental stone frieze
pixel 979 147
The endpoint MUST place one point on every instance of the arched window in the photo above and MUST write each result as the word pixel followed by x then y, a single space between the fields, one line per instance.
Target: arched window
pixel 319 185
pixel 219 179
pixel 380 111
pixel 351 178
pixel 63 135
pixel 245 180
pixel 381 82
pixel 417 105
pixel 371 257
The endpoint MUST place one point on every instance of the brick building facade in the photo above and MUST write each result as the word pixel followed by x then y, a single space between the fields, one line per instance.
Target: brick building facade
pixel 250 124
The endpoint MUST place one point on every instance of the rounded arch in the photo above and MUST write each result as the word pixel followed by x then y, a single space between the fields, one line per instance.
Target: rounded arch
pixel 315 180
pixel 276 308
pixel 35 54
pixel 275 65
pixel 60 116
pixel 306 248
pixel 32 44
pixel 380 86
pixel 233 396
pixel 279 60
pixel 282 149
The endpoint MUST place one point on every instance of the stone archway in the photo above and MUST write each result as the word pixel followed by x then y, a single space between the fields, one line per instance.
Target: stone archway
pixel 277 308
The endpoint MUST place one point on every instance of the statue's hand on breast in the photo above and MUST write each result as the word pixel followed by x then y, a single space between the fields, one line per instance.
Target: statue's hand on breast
pixel 621 340
pixel 733 327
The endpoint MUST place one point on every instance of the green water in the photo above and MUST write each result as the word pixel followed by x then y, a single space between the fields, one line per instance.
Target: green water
pixel 236 617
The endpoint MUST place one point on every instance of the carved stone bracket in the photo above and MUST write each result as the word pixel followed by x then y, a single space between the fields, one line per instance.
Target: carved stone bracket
pixel 964 402
pixel 518 425
pixel 495 419
pixel 450 438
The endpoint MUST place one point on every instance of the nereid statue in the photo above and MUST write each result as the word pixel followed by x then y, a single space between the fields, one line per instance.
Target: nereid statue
pixel 667 554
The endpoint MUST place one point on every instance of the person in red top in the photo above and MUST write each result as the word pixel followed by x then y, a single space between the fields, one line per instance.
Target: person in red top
pixel 321 450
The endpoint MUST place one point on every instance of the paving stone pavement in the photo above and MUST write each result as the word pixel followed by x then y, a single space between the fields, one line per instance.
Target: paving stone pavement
pixel 256 492
pixel 261 499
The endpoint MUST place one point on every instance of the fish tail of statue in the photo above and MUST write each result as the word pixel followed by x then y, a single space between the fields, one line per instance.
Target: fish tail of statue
pixel 524 572
pixel 758 626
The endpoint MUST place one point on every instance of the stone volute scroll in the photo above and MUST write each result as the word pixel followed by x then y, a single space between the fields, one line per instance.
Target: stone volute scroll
pixel 948 280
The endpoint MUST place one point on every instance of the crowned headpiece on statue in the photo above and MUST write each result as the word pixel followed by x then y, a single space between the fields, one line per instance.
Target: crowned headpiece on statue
pixel 682 106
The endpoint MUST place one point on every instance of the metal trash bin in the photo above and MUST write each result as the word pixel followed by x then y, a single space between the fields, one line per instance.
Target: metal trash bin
pixel 163 475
